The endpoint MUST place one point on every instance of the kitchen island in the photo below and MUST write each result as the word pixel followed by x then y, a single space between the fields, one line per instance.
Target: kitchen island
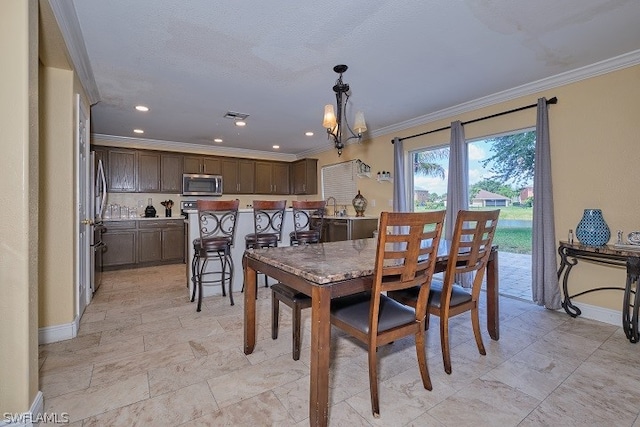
pixel 244 227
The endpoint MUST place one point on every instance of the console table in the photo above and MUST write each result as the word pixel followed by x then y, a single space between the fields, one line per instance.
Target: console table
pixel 612 255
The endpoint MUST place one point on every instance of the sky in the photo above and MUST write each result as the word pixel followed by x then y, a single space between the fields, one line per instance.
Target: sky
pixel 478 151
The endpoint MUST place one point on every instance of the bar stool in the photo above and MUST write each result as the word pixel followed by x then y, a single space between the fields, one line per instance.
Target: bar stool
pixel 308 217
pixel 268 219
pixel 217 227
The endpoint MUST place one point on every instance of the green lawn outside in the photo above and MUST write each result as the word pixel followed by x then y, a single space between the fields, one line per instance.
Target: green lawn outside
pixel 514 240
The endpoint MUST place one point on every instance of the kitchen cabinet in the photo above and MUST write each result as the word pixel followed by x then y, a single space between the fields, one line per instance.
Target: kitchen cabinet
pixel 336 229
pixel 203 164
pixel 304 176
pixel 148 171
pixel 121 176
pixel 238 176
pixel 171 173
pixel 139 243
pixel 272 178
pixel 120 239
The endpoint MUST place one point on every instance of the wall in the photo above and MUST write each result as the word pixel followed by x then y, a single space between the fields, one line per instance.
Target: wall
pixel 19 197
pixel 593 131
pixel 57 195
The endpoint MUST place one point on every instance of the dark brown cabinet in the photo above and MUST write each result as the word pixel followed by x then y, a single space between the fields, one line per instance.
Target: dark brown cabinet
pixel 148 172
pixel 171 173
pixel 336 229
pixel 120 239
pixel 133 244
pixel 272 178
pixel 122 171
pixel 203 164
pixel 238 176
pixel 304 176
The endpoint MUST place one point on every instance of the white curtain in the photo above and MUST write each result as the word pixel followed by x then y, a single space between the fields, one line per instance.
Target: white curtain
pixel 399 189
pixel 545 287
pixel 457 187
pixel 458 178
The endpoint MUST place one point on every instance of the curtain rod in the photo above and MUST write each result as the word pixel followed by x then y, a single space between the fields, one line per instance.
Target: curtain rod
pixel 553 100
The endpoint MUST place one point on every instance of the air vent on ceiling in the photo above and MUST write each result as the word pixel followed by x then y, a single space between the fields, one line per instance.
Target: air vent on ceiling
pixel 235 116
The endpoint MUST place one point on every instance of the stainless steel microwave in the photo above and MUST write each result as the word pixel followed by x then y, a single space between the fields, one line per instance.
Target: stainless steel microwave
pixel 194 184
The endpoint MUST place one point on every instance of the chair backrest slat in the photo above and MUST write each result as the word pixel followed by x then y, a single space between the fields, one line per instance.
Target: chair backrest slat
pixel 471 245
pixel 406 252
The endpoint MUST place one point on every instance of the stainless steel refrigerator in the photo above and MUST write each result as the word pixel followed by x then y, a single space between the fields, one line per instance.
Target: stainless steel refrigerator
pixel 98 202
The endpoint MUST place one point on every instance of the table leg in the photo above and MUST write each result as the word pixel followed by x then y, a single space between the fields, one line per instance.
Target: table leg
pixel 320 353
pixel 249 307
pixel 493 295
pixel 631 302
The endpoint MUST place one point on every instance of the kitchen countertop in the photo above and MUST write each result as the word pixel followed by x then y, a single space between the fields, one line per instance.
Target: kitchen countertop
pixel 177 218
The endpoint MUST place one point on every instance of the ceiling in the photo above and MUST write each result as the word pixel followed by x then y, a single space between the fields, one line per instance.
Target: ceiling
pixel 193 61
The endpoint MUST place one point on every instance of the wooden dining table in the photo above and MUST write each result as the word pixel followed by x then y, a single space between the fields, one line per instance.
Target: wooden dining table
pixel 325 271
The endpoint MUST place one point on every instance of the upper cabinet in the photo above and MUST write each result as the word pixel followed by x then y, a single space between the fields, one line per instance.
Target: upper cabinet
pixel 238 176
pixel 171 173
pixel 148 171
pixel 272 178
pixel 121 176
pixel 304 176
pixel 203 164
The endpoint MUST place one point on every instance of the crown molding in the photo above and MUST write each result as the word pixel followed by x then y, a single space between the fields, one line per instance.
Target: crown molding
pixel 603 67
pixel 65 15
pixel 183 147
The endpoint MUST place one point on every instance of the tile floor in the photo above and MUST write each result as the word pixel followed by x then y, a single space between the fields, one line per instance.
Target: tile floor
pixel 145 357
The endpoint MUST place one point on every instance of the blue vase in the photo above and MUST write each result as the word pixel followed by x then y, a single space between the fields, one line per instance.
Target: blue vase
pixel 592 230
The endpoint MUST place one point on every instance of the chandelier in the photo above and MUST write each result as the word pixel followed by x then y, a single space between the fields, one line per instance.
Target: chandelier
pixel 337 126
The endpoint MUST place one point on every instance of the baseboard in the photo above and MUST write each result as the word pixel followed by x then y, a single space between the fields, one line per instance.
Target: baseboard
pixel 49 334
pixel 27 419
pixel 604 315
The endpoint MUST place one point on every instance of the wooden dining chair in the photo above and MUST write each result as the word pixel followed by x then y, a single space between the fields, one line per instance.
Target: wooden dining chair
pixel 405 258
pixel 308 216
pixel 469 252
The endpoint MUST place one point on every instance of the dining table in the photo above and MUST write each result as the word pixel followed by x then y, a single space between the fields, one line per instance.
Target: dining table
pixel 325 271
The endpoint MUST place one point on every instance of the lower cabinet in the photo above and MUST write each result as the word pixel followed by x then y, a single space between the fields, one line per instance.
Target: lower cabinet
pixel 336 229
pixel 143 242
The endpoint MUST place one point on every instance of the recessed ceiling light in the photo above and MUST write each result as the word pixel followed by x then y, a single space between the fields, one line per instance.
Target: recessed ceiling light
pixel 142 108
pixel 309 133
pixel 276 147
pixel 217 140
pixel 240 123
pixel 138 131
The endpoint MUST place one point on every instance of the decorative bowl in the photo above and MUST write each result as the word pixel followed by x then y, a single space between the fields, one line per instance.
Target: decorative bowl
pixel 634 237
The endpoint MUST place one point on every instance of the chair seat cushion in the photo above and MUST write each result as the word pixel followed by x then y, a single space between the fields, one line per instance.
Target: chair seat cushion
pixel 261 240
pixel 287 294
pixel 459 295
pixel 354 310
pixel 212 244
pixel 307 236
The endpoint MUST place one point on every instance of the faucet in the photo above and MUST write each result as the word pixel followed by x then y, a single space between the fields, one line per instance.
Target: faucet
pixel 335 209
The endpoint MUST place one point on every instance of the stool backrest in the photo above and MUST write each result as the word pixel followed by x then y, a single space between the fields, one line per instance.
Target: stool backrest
pixel 308 217
pixel 268 217
pixel 217 219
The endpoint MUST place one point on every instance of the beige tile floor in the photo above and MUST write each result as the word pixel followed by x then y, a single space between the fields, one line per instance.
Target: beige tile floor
pixel 145 357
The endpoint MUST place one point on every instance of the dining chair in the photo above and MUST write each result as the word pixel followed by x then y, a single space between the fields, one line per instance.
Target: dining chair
pixel 469 252
pixel 217 229
pixel 405 258
pixel 307 229
pixel 268 221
